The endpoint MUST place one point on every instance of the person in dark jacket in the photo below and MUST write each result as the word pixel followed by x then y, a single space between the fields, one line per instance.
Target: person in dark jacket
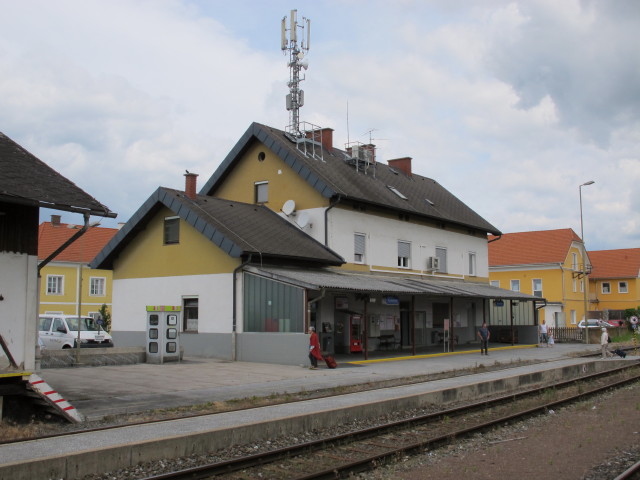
pixel 484 334
pixel 314 348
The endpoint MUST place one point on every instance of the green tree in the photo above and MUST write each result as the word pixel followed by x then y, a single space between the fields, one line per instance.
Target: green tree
pixel 106 316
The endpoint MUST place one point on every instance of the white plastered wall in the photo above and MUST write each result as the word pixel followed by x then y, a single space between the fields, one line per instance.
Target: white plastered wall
pixel 214 292
pixel 382 235
pixel 19 308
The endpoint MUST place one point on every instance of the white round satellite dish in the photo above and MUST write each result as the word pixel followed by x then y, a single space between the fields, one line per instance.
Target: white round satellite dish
pixel 288 207
pixel 303 219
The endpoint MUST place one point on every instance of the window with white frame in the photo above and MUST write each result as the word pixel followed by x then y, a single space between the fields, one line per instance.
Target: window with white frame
pixel 404 254
pixel 574 261
pixel 262 192
pixel 441 255
pixel 358 247
pixel 606 287
pixel 472 264
pixel 495 283
pixel 515 285
pixel 55 284
pixel 97 286
pixel 537 287
pixel 623 287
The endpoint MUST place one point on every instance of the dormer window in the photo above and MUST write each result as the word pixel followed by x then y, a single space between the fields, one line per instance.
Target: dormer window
pixel 396 191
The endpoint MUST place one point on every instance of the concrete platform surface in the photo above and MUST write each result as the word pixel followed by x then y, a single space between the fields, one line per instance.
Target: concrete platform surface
pixel 100 391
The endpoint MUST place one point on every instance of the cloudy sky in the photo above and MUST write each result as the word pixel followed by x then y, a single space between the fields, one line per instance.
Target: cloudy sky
pixel 511 105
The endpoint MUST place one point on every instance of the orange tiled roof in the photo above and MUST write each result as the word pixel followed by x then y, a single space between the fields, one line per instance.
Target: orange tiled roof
pixel 524 248
pixel 623 263
pixel 83 250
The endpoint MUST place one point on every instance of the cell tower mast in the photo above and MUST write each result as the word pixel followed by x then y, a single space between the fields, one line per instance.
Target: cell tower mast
pixel 295 97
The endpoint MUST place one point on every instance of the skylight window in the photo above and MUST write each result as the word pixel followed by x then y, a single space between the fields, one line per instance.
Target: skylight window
pixel 429 202
pixel 396 191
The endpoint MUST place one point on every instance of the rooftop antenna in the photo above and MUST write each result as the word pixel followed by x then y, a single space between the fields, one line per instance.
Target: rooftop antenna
pixel 297 61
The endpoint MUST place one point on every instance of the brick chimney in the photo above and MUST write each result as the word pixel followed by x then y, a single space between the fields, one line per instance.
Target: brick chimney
pixel 402 164
pixel 190 180
pixel 322 135
pixel 55 220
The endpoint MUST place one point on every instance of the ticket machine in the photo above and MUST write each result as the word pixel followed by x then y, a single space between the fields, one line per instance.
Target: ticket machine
pixel 355 334
pixel 163 339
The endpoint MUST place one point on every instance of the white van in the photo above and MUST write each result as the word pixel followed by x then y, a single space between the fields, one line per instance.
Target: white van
pixel 61 331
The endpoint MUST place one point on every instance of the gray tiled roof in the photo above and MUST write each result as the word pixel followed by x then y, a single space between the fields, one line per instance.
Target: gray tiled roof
pixel 25 179
pixel 341 280
pixel 334 177
pixel 239 229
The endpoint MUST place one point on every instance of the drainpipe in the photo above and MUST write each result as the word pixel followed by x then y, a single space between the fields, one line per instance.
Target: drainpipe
pixel 235 309
pixel 495 239
pixel 326 220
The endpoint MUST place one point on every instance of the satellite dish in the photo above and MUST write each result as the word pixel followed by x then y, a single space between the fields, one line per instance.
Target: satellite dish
pixel 289 207
pixel 303 219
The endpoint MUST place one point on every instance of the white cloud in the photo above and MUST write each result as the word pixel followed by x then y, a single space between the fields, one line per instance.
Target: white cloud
pixel 509 104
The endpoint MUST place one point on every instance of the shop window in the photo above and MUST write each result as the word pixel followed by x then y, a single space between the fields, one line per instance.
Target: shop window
pixel 271 306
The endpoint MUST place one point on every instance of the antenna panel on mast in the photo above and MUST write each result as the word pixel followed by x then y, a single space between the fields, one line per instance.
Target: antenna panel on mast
pixel 297 61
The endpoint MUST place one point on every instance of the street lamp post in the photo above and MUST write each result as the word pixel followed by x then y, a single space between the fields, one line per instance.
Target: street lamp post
pixel 585 283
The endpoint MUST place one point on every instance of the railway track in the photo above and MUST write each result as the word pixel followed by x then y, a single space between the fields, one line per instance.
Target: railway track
pixel 341 455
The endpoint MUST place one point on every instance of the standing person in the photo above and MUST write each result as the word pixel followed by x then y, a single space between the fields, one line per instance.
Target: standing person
pixel 484 334
pixel 314 349
pixel 604 344
pixel 543 333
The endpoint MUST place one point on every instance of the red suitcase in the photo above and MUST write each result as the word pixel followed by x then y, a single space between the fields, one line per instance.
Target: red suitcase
pixel 330 361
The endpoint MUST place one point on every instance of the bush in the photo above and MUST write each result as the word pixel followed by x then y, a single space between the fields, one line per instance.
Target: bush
pixel 106 317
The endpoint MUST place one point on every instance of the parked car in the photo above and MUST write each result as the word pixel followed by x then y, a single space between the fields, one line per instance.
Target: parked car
pixel 61 331
pixel 595 323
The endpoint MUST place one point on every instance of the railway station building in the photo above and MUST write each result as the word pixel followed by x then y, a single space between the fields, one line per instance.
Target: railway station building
pixel 291 232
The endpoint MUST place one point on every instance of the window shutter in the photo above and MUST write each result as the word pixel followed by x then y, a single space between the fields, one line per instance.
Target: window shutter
pixel 358 247
pixel 404 249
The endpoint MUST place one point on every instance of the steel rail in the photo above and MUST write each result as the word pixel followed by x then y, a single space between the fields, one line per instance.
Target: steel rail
pixel 229 466
pixel 196 415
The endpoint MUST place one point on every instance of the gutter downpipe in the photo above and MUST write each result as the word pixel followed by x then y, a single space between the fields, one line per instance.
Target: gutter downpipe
pixel 495 239
pixel 326 220
pixel 235 309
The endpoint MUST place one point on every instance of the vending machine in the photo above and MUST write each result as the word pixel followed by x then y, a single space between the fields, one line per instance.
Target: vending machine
pixel 163 339
pixel 355 334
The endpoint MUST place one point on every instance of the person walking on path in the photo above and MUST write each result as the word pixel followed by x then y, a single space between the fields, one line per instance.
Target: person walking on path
pixel 604 343
pixel 543 333
pixel 314 349
pixel 484 334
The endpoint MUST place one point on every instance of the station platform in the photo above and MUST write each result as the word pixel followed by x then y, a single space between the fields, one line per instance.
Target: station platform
pixel 130 388
pixel 112 390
